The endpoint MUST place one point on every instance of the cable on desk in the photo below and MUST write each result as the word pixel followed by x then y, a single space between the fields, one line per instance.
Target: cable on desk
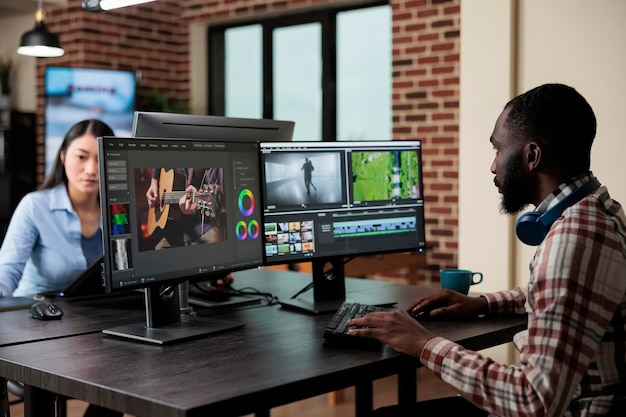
pixel 328 274
pixel 303 290
pixel 270 298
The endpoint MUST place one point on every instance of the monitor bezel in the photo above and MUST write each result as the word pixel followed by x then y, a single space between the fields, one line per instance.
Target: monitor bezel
pixel 209 127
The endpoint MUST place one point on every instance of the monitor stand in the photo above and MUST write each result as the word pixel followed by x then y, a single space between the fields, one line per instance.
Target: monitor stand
pixel 164 322
pixel 329 290
pixel 183 298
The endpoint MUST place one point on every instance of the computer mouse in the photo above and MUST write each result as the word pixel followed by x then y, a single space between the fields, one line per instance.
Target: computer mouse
pixel 45 311
pixel 421 315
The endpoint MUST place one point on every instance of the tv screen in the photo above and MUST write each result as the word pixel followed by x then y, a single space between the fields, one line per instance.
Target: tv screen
pixel 75 94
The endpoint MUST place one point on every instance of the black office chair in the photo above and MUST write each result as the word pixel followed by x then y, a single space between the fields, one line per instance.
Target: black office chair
pixel 17 389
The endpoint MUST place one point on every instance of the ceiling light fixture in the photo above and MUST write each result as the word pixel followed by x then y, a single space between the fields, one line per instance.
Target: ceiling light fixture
pixel 39 42
pixel 100 5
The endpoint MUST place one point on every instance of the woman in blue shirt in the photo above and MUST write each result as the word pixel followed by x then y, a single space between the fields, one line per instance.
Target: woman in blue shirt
pixel 55 232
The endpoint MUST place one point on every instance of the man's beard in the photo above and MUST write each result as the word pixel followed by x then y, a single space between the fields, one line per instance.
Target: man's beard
pixel 516 186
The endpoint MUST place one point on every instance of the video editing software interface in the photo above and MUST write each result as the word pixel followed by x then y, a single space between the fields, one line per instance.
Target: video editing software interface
pixel 330 199
pixel 218 230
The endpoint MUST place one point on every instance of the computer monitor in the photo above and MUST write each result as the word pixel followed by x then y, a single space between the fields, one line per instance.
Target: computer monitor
pixel 221 128
pixel 326 202
pixel 173 125
pixel 157 247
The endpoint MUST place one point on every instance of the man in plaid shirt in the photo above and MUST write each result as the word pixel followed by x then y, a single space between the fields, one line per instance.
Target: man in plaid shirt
pixel 573 355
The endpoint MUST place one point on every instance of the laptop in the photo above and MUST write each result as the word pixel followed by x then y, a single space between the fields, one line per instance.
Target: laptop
pixel 88 284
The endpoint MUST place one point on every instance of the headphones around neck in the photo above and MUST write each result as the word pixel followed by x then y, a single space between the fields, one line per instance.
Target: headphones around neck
pixel 532 227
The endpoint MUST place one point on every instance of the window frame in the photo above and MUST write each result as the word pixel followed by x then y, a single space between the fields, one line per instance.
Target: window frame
pixel 326 17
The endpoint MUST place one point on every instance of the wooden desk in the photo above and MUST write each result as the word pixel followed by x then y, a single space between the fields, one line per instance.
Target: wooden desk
pixel 88 316
pixel 276 359
pixel 81 317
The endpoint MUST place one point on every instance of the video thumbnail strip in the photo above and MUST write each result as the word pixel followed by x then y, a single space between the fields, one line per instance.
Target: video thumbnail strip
pixel 373 227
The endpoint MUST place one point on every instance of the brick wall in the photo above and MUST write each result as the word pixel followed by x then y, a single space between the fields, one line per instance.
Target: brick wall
pixel 426 70
pixel 152 40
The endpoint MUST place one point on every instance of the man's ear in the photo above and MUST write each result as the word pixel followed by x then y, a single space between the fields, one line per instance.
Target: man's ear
pixel 532 151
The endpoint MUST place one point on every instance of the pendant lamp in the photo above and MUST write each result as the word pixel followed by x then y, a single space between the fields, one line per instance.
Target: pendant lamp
pixel 99 5
pixel 40 42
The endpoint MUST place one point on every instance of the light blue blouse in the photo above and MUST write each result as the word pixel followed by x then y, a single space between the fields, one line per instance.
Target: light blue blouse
pixel 42 248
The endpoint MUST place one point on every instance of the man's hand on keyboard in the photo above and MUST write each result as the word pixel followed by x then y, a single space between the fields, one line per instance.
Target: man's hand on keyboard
pixel 395 328
pixel 450 305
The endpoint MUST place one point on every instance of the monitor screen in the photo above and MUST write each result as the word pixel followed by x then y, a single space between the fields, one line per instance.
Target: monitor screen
pixel 172 125
pixel 176 210
pixel 326 202
pixel 76 94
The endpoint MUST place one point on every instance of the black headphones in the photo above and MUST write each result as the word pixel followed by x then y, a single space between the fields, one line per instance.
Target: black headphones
pixel 532 227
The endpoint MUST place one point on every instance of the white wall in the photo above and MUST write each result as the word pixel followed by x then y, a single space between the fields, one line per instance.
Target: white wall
pixel 581 43
pixel 508 47
pixel 486 72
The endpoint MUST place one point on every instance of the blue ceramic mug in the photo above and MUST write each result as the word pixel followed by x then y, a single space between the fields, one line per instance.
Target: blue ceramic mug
pixel 459 280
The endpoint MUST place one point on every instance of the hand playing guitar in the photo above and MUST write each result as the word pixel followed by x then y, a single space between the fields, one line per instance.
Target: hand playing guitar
pixel 186 203
pixel 166 189
pixel 152 194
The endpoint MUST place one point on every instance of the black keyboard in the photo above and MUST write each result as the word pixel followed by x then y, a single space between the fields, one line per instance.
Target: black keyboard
pixel 336 331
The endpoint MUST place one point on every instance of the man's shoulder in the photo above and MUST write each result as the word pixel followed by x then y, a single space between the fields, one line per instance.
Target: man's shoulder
pixel 596 214
pixel 599 204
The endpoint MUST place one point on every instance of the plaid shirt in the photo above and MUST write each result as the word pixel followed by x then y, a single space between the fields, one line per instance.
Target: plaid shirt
pixel 573 354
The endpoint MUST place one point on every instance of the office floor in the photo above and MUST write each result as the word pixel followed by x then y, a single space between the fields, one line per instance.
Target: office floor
pixel 384 394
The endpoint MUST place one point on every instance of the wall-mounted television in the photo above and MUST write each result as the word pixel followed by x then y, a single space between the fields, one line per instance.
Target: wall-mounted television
pixel 75 94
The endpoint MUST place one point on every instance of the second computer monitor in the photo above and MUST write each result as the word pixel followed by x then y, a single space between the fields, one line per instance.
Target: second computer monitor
pixel 326 202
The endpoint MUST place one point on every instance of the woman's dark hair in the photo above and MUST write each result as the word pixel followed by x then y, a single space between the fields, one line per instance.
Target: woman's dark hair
pixel 92 126
pixel 558 118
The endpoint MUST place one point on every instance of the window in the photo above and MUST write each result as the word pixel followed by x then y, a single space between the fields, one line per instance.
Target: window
pixel 329 71
pixel 296 78
pixel 243 68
